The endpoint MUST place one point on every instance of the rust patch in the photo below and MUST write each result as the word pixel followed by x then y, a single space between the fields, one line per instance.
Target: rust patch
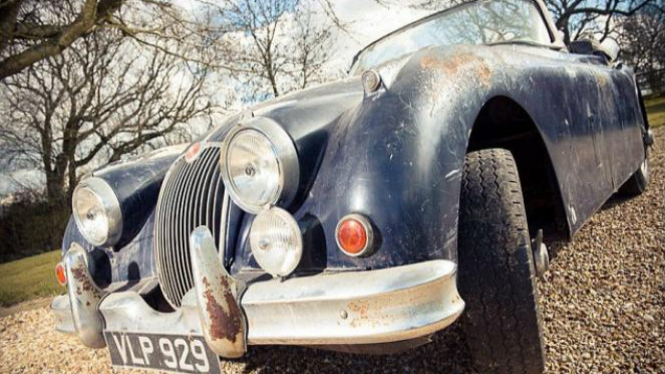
pixel 83 281
pixel 381 312
pixel 452 66
pixel 367 313
pixel 224 325
pixel 361 307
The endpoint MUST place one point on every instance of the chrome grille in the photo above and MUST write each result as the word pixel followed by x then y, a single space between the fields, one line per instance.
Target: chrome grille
pixel 191 196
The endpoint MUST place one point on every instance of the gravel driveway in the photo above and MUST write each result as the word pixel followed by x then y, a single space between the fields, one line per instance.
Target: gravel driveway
pixel 603 303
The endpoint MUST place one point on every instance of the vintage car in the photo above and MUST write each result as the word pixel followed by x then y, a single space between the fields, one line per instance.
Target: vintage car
pixel 367 214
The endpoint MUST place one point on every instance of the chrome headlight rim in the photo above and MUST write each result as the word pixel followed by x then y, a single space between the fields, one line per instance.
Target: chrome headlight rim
pixel 108 200
pixel 284 150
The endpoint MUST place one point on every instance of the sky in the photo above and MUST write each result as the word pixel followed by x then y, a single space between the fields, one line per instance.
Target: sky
pixel 366 20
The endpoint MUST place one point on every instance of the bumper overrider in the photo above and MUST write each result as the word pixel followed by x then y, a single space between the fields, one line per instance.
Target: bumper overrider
pixel 364 307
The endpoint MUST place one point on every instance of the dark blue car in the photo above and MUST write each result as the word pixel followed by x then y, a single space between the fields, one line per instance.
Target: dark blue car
pixel 364 215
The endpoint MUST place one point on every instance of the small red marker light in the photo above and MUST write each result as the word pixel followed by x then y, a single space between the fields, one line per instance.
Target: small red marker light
pixel 194 151
pixel 354 235
pixel 60 274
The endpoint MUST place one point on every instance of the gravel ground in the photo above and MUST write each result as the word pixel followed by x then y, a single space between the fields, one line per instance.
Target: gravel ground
pixel 603 303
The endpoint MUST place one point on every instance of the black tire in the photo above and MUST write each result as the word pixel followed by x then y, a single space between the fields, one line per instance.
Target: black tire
pixel 639 181
pixel 502 322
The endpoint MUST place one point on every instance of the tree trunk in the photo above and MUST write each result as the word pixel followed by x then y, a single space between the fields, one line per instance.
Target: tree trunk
pixel 72 180
pixel 55 183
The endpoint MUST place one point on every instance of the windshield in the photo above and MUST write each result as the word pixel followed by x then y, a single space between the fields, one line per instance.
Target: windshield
pixel 481 22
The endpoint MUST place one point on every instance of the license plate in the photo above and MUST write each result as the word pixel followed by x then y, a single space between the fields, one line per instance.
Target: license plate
pixel 181 354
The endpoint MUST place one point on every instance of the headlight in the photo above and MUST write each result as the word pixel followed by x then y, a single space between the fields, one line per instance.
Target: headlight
pixel 97 212
pixel 259 165
pixel 276 241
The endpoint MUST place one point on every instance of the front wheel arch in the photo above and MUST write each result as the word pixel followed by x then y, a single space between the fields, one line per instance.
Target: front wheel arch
pixel 504 123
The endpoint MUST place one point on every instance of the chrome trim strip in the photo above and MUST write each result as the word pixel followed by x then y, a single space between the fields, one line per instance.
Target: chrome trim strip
pixel 365 307
pixel 224 226
pixel 165 265
pixel 128 311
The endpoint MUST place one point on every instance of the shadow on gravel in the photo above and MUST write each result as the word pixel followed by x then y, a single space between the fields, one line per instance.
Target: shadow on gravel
pixel 446 353
pixel 617 199
pixel 556 247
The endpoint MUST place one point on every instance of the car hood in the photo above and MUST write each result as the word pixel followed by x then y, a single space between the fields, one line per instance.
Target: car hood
pixel 303 113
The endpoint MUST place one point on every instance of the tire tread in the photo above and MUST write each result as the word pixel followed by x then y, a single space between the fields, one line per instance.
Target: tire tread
pixel 502 321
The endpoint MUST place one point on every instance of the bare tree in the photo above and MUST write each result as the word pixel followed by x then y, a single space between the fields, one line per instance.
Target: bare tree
pixel 279 44
pixel 643 39
pixel 99 100
pixel 312 46
pixel 33 30
pixel 434 5
pixel 576 17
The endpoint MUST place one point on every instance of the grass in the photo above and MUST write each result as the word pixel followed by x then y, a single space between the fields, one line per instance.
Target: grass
pixel 29 278
pixel 656 111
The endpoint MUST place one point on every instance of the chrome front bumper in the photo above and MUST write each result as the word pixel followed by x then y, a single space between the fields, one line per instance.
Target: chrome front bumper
pixel 366 307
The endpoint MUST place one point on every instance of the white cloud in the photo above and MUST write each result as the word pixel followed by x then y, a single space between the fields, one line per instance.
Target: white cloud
pixel 369 21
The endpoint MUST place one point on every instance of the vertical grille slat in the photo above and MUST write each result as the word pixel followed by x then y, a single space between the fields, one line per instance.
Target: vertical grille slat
pixel 170 237
pixel 212 201
pixel 196 189
pixel 180 231
pixel 169 225
pixel 190 197
pixel 165 224
pixel 176 196
pixel 187 226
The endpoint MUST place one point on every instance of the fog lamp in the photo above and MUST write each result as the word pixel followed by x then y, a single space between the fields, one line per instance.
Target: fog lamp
pixel 276 241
